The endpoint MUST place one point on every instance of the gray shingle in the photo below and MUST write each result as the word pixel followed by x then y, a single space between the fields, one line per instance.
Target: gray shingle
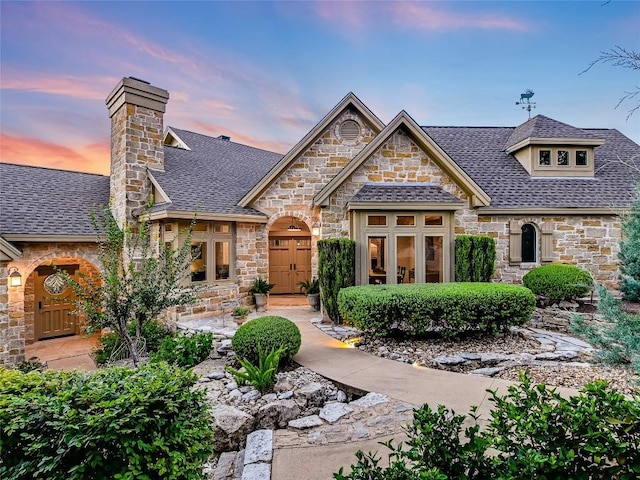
pixel 480 152
pixel 213 176
pixel 44 201
pixel 545 127
pixel 407 193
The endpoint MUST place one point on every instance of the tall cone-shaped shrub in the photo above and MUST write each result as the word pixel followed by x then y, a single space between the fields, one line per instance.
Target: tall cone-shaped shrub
pixel 475 258
pixel 336 266
pixel 630 253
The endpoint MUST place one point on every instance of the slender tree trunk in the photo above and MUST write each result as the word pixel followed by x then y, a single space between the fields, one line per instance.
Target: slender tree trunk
pixel 130 342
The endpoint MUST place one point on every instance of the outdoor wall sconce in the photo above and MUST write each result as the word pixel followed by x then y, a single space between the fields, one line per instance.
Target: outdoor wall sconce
pixel 315 229
pixel 15 279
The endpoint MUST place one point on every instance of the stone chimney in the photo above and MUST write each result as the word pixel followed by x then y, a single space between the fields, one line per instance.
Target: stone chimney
pixel 136 109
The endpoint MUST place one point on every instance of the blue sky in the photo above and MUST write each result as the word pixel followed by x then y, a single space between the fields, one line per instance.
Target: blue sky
pixel 266 72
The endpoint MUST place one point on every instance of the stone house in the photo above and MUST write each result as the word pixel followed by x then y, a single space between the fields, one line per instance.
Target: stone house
pixel 546 191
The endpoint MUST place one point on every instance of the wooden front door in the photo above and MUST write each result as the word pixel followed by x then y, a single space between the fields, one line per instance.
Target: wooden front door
pixel 54 304
pixel 289 263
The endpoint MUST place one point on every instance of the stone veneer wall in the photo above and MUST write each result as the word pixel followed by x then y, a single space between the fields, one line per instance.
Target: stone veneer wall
pixel 11 324
pixel 20 305
pixel 591 242
pixel 136 143
pixel 292 194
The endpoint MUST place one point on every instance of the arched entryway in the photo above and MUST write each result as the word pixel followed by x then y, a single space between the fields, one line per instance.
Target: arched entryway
pixel 289 255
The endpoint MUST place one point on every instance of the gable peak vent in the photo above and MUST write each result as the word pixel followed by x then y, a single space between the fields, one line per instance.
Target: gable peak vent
pixel 350 130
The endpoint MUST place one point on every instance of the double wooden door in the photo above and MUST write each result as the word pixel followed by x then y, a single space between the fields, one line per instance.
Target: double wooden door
pixel 54 305
pixel 289 263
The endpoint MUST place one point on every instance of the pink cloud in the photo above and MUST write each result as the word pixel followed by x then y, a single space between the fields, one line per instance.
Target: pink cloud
pixel 92 158
pixel 85 88
pixel 422 16
pixel 410 15
pixel 215 130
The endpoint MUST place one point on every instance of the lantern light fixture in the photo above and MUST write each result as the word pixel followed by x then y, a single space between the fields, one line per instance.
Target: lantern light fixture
pixel 15 279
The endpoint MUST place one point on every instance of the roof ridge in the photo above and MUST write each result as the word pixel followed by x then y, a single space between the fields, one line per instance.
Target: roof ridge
pixel 53 169
pixel 221 140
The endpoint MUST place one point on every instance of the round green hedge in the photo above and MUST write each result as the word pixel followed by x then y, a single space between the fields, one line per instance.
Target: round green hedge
pixel 558 281
pixel 266 333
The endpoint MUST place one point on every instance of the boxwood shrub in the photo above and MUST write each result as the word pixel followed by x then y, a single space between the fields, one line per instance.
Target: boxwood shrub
pixel 444 308
pixel 558 281
pixel 114 423
pixel 267 334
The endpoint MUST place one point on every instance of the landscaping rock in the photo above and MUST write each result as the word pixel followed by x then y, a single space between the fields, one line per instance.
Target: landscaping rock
pixel 314 394
pixel 277 414
pixel 306 422
pixel 370 400
pixel 451 360
pixel 231 427
pixel 332 412
pixel 259 447
pixel 257 471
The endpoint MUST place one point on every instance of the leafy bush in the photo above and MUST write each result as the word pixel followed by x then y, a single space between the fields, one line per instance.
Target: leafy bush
pixel 114 423
pixel 153 332
pixel 558 282
pixel 617 337
pixel 337 270
pixel 475 258
pixel 267 334
pixel 30 365
pixel 445 308
pixel 533 433
pixel 261 376
pixel 184 350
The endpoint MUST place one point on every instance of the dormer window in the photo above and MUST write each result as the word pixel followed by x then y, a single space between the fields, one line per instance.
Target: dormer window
pixel 545 158
pixel 581 158
pixel 563 158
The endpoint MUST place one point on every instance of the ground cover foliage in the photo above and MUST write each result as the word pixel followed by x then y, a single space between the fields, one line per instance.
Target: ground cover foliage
pixel 558 281
pixel 533 432
pixel 475 258
pixel 630 253
pixel 116 423
pixel 336 270
pixel 445 308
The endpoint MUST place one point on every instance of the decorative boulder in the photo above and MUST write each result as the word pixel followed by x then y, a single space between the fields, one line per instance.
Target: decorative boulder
pixel 231 427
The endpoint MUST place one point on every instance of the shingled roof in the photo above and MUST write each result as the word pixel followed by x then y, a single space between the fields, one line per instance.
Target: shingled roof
pixel 213 175
pixel 44 201
pixel 545 127
pixel 480 152
pixel 405 193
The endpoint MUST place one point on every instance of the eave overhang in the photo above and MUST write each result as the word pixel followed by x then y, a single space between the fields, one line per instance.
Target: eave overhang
pixel 422 206
pixel 8 251
pixel 189 215
pixel 553 211
pixel 556 141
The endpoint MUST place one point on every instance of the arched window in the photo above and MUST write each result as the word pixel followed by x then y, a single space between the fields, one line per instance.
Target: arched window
pixel 529 243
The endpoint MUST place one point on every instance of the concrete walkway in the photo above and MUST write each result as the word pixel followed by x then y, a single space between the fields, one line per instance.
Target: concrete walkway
pixel 351 367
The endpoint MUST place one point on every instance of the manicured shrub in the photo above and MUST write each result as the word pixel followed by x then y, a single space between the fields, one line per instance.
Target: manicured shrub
pixel 533 433
pixel 267 334
pixel 475 258
pixel 184 350
pixel 558 281
pixel 119 422
pixel 153 332
pixel 444 308
pixel 337 270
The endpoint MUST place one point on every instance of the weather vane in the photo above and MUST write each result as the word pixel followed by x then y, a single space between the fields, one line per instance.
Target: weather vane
pixel 525 101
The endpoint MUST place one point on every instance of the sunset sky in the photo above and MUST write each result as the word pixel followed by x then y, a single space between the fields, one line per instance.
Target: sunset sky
pixel 265 73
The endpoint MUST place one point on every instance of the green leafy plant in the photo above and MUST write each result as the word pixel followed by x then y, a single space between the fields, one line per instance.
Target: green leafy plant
pixel 117 422
pixel 266 334
pixel 135 284
pixel 30 365
pixel 475 258
pixel 445 308
pixel 558 281
pixel 261 286
pixel 617 336
pixel 533 433
pixel 241 312
pixel 336 266
pixel 310 287
pixel 184 350
pixel 261 376
pixel 153 332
